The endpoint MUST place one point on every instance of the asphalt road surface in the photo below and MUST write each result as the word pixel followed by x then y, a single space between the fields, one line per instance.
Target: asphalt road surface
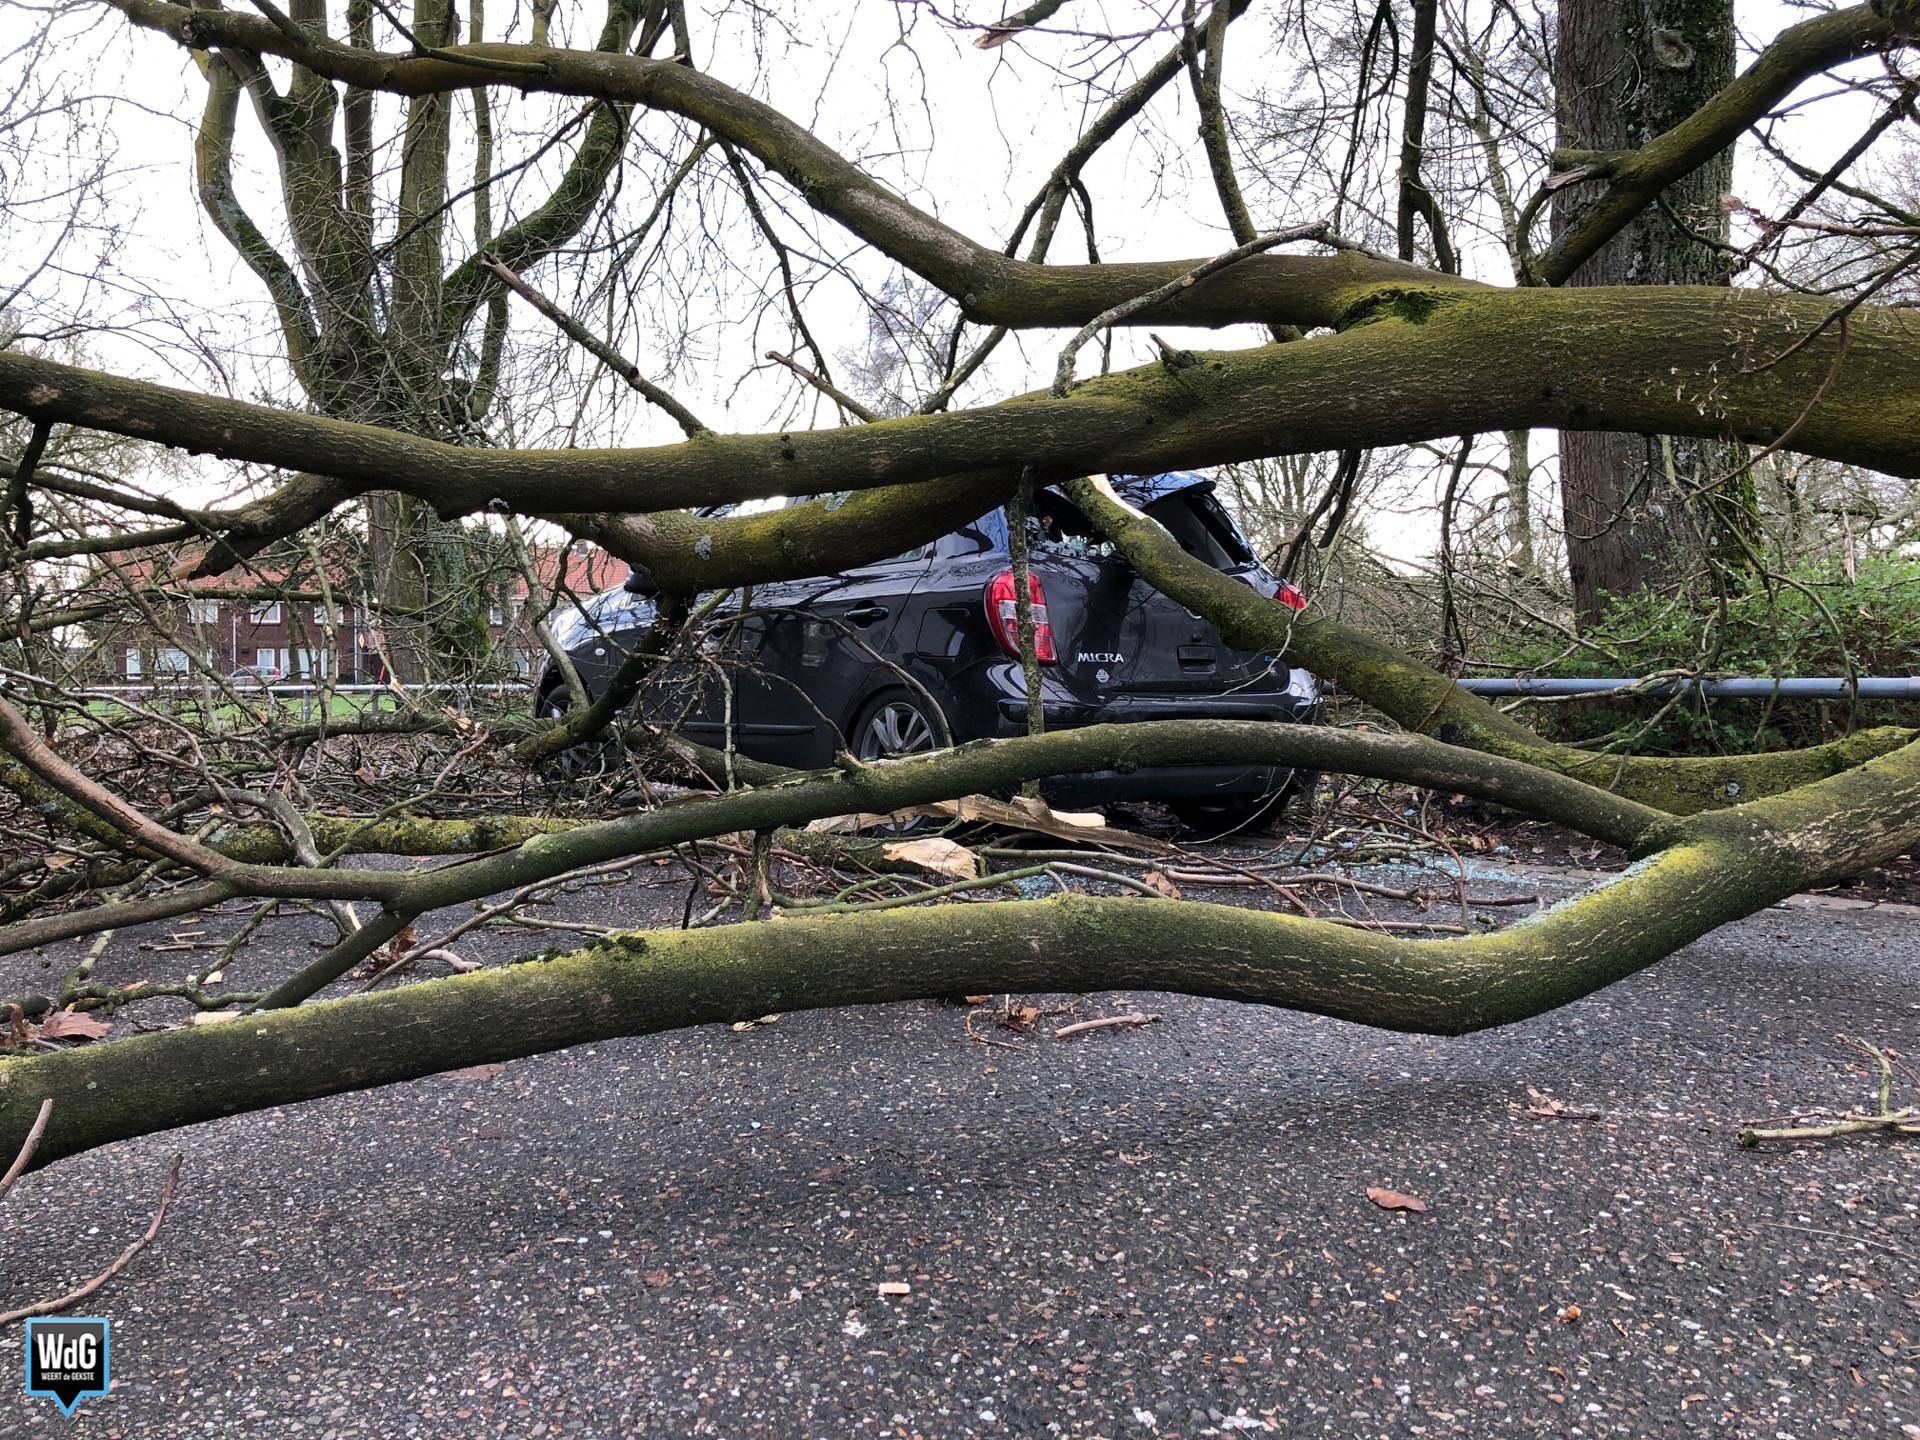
pixel 1130 1232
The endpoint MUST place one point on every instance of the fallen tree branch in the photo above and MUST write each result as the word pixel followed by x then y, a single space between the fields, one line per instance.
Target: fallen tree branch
pixel 1716 868
pixel 894 785
pixel 74 1297
pixel 1427 702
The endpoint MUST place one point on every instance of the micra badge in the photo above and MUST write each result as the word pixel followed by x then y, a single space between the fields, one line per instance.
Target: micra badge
pixel 67 1360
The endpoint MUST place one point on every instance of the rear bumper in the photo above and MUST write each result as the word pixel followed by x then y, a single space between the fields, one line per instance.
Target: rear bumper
pixel 1197 784
pixel 1192 783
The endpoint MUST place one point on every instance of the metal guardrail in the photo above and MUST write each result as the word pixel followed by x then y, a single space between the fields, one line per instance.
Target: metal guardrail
pixel 1866 687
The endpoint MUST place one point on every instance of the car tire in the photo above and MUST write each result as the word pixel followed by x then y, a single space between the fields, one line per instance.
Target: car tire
pixel 895 722
pixel 577 764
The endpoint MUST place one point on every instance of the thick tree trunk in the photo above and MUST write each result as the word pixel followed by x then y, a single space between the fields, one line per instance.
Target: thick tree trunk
pixel 1645 509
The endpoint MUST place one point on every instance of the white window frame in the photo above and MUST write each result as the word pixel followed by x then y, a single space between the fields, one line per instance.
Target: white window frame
pixel 203 612
pixel 265 613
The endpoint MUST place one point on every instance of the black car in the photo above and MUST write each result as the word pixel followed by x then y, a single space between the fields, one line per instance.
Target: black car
pixel 921 650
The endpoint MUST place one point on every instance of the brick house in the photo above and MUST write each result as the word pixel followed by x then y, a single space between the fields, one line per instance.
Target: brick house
pixel 295 639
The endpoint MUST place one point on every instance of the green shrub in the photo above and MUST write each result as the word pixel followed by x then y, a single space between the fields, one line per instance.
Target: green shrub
pixel 1773 630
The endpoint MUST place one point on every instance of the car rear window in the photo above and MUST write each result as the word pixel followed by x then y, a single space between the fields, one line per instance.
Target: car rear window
pixel 1193 517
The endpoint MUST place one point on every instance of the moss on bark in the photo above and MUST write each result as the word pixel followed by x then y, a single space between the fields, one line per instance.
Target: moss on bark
pixel 1715 868
pixel 1428 703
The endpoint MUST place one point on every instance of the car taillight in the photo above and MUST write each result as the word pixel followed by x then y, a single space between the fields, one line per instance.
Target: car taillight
pixel 1290 596
pixel 1003 616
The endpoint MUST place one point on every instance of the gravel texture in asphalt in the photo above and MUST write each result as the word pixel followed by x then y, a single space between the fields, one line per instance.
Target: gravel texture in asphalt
pixel 1133 1231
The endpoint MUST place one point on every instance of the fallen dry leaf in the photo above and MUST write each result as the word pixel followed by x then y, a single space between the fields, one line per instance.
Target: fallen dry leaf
pixel 935 853
pixel 1394 1200
pixel 977 999
pixel 473 1072
pixel 71 1025
pixel 1570 1315
pixel 740 1025
pixel 1157 881
pixel 657 1278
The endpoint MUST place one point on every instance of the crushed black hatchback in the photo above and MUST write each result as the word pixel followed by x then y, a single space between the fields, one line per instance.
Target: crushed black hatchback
pixel 920 651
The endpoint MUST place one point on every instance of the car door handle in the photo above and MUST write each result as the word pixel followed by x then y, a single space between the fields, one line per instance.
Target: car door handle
pixel 867 614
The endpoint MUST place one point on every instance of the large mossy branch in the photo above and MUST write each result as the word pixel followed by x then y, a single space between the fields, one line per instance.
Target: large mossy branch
pixel 990 286
pixel 688 553
pixel 1427 702
pixel 1715 869
pixel 1411 366
pixel 989 766
pixel 983 767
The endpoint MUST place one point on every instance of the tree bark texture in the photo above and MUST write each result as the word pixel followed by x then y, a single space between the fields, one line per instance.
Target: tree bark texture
pixel 1642 508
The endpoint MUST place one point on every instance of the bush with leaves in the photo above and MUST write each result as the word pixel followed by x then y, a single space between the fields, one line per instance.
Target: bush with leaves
pixel 1808 621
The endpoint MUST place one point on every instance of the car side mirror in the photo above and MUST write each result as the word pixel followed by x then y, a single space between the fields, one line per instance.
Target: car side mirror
pixel 640 581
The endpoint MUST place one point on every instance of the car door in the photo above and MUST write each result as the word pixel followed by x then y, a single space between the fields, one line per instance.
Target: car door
pixel 797 657
pixel 813 650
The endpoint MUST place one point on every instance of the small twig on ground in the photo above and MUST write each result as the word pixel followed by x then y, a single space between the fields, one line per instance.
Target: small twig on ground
pixel 979 1039
pixel 1885 1120
pixel 74 1297
pixel 31 1143
pixel 1548 1108
pixel 1081 1026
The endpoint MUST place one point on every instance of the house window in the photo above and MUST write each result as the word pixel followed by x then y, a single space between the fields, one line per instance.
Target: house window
pixel 133 663
pixel 496 615
pixel 265 614
pixel 310 662
pixel 329 614
pixel 170 662
pixel 270 662
pixel 204 612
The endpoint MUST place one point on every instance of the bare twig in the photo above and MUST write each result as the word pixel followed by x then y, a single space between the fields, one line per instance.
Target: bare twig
pixel 1885 1120
pixel 1105 1023
pixel 74 1297
pixel 1063 369
pixel 27 1147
